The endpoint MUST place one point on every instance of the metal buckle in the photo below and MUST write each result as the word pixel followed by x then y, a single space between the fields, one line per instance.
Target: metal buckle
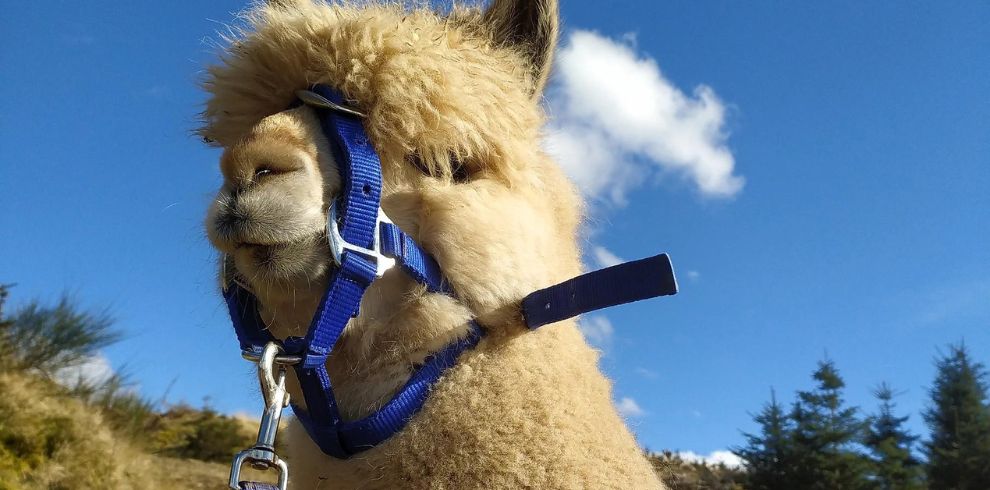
pixel 338 245
pixel 316 100
pixel 262 455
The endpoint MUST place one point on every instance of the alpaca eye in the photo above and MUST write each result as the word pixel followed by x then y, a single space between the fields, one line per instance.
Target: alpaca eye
pixel 263 171
pixel 461 174
pixel 415 160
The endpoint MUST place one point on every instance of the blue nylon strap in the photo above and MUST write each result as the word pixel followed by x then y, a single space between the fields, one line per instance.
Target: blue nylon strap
pixel 414 260
pixel 339 304
pixel 360 172
pixel 359 435
pixel 616 285
pixel 252 333
pixel 321 418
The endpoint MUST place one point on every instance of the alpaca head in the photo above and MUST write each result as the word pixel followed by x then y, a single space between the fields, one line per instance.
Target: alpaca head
pixel 451 100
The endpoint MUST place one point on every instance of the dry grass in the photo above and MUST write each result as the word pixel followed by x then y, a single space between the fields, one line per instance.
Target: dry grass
pixel 53 441
pixel 99 435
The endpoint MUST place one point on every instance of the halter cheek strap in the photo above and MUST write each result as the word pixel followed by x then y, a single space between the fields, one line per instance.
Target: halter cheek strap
pixel 365 244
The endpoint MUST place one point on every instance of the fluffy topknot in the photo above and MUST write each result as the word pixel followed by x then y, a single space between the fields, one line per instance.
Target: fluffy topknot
pixel 437 87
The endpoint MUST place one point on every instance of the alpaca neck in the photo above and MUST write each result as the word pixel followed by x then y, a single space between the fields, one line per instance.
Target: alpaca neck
pixel 398 327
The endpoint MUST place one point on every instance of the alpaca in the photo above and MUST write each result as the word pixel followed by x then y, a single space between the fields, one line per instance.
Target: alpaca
pixel 453 109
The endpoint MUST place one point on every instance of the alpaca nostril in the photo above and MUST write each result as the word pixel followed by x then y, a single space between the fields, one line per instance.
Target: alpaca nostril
pixel 229 223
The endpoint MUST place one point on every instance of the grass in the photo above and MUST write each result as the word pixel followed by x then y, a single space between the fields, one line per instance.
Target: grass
pixel 95 434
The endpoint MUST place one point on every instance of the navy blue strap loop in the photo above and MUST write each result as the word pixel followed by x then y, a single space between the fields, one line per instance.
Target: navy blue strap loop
pixel 353 437
pixel 252 333
pixel 418 264
pixel 616 285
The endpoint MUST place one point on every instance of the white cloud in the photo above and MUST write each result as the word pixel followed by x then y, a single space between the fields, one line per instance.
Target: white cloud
pixel 647 373
pixel 714 458
pixel 93 371
pixel 604 257
pixel 618 120
pixel 693 275
pixel 596 329
pixel 629 408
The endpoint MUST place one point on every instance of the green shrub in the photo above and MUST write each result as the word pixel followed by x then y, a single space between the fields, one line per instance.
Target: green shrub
pixel 185 432
pixel 46 339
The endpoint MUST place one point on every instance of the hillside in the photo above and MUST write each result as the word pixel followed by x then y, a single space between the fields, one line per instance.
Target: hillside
pixel 50 440
pixel 60 434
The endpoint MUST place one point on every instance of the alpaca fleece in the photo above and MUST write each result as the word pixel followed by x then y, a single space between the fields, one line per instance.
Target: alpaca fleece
pixel 453 111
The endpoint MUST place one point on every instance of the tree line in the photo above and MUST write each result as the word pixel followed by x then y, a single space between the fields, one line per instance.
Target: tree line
pixel 819 442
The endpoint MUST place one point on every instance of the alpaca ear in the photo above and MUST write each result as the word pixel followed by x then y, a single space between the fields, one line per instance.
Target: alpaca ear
pixel 531 26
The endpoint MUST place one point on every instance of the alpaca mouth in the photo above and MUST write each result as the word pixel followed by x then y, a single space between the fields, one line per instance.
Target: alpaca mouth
pixel 256 246
pixel 306 240
pixel 307 257
pixel 312 242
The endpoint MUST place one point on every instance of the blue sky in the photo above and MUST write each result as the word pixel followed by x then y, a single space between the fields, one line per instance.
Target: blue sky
pixel 860 131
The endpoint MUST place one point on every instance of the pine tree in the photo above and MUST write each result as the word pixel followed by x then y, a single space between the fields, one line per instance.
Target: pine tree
pixel 769 454
pixel 825 436
pixel 894 466
pixel 959 420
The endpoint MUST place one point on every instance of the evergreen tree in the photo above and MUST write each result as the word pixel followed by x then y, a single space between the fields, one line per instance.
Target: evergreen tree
pixel 769 454
pixel 959 420
pixel 825 435
pixel 894 467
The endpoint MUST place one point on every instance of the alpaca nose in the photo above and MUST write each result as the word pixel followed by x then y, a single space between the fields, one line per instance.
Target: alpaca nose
pixel 231 223
pixel 230 218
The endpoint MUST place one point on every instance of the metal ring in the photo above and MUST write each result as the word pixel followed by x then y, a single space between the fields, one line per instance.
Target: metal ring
pixel 283 359
pixel 266 459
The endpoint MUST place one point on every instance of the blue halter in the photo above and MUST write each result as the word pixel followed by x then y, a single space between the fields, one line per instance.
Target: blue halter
pixel 365 244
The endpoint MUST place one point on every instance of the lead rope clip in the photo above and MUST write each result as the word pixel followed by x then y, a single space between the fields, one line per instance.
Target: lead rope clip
pixel 261 456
